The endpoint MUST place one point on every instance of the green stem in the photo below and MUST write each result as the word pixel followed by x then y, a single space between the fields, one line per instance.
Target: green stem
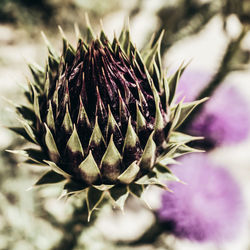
pixel 224 69
pixel 148 237
pixel 74 228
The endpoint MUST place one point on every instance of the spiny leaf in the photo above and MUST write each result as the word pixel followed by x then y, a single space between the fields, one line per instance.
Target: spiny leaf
pixel 51 145
pixel 136 189
pixel 94 198
pixel 103 187
pixel 110 164
pixel 140 120
pixel 90 33
pixel 174 81
pixel 33 154
pixel 96 137
pixel 178 137
pixel 57 169
pixel 148 156
pixel 21 131
pixel 67 122
pixel 186 109
pixel 119 194
pixel 29 130
pixel 89 169
pixel 50 118
pixel 131 138
pixel 49 177
pixel 129 174
pixel 150 58
pixel 74 144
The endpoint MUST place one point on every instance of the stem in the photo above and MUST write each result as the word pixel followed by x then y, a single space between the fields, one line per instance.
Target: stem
pixel 74 228
pixel 148 237
pixel 224 69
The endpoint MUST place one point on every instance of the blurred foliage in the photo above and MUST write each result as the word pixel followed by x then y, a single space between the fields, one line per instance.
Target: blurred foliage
pixel 28 11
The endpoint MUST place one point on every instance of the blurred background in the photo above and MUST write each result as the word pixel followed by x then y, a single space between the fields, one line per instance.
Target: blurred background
pixel 213 35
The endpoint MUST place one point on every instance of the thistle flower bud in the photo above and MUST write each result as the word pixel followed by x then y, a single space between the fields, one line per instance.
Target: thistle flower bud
pixel 104 118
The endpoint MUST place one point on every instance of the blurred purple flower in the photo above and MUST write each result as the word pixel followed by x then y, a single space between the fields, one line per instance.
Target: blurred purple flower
pixel 191 84
pixel 225 118
pixel 208 208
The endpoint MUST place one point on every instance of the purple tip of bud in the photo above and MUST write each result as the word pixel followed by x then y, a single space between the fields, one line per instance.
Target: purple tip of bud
pixel 209 208
pixel 225 117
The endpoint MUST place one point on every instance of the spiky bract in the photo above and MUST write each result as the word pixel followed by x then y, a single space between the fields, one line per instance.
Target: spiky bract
pixel 104 118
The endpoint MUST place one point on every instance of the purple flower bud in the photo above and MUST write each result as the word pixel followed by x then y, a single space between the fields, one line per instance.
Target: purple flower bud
pixel 208 208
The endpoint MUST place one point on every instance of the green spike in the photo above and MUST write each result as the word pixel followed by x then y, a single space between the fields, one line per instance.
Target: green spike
pixel 94 198
pixel 90 33
pixel 49 46
pixel 37 73
pixel 178 137
pixel 103 187
pixel 46 85
pixel 150 58
pixel 67 123
pixel 136 190
pixel 131 138
pixel 159 122
pixel 57 169
pixel 111 120
pixel 176 116
pixel 65 41
pixel 69 55
pixel 186 109
pixel 49 177
pixel 111 125
pixel 50 118
pixel 82 115
pixel 173 82
pixel 111 161
pixel 36 102
pixel 26 113
pixel 30 132
pixel 55 100
pixel 21 131
pixel 165 174
pixel 53 64
pixel 77 31
pixel 141 96
pixel 119 195
pixel 124 39
pixel 166 92
pixel 169 152
pixel 165 160
pixel 129 174
pixel 96 136
pixel 184 149
pixel 32 154
pixel 148 157
pixel 51 145
pixel 104 39
pixel 74 144
pixel 89 169
pixel 140 120
pixel 148 46
pixel 122 107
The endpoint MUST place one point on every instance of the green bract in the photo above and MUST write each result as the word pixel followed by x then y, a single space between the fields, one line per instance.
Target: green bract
pixel 104 117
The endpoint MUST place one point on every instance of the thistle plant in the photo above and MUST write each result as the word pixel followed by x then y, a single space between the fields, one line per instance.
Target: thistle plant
pixel 104 117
